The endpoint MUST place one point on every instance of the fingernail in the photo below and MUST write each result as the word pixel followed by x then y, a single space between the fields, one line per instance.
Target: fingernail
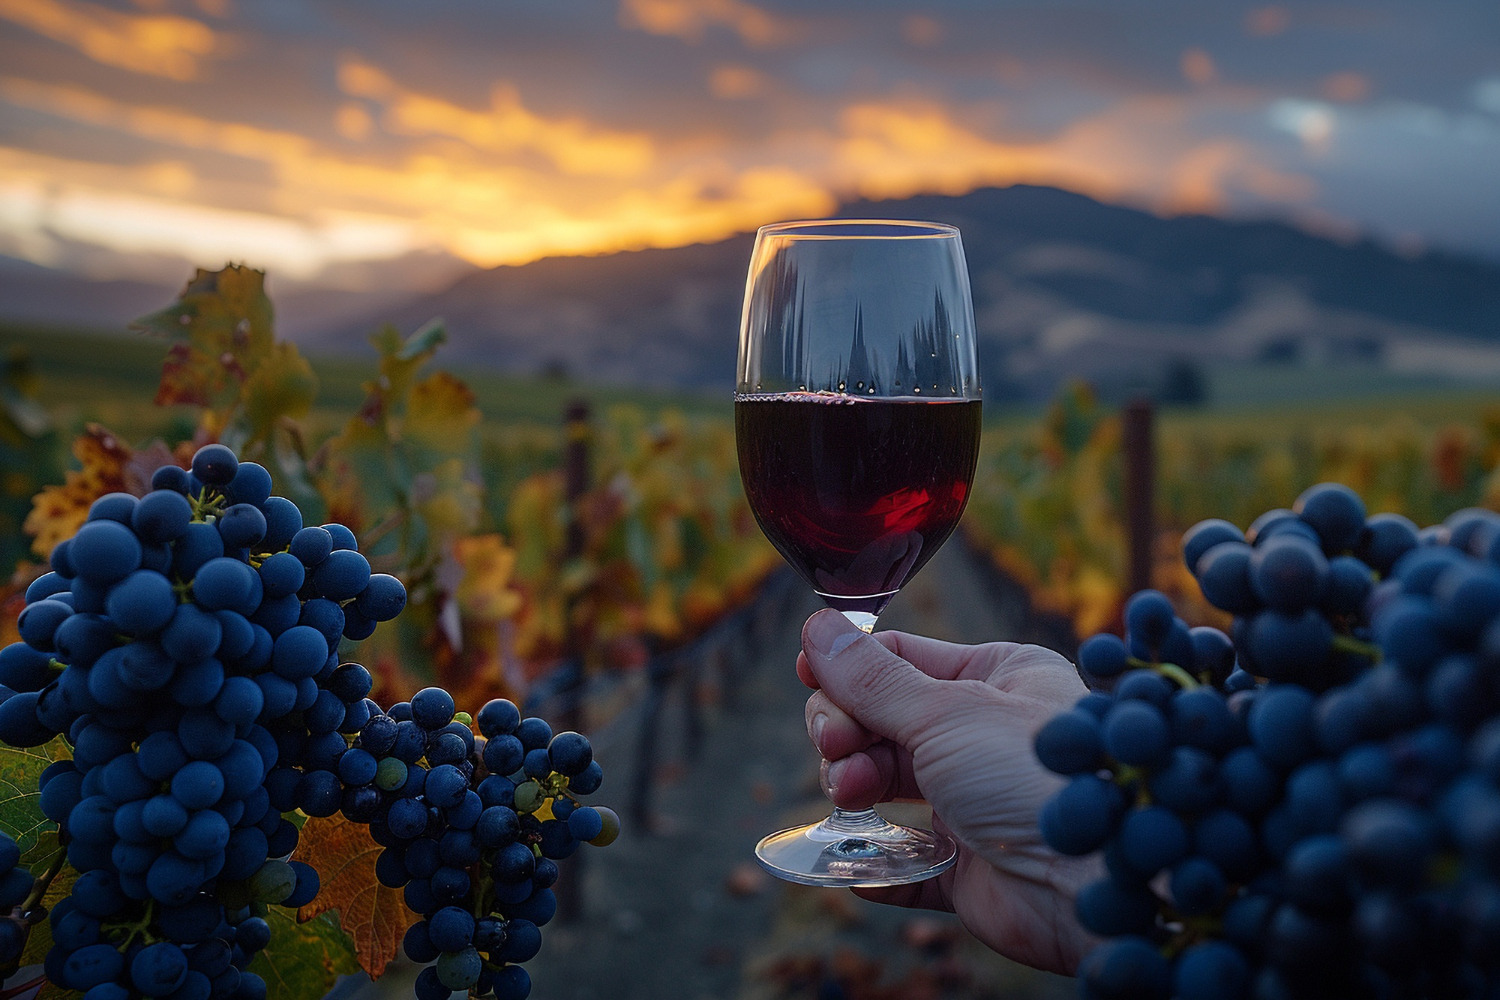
pixel 835 772
pixel 818 722
pixel 830 633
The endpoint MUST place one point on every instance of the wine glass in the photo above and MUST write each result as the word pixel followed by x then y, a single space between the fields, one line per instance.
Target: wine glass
pixel 857 425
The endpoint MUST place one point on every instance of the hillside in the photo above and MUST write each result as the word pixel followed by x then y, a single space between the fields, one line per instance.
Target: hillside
pixel 1063 285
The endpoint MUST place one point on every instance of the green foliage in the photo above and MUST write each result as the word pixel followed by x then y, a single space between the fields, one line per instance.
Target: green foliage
pixel 20 800
pixel 303 960
pixel 1048 501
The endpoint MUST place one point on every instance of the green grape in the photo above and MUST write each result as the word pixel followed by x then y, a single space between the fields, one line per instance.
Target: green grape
pixel 611 827
pixel 273 883
pixel 529 797
pixel 390 774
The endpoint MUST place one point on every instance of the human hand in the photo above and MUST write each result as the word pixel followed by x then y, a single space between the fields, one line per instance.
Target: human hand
pixel 902 716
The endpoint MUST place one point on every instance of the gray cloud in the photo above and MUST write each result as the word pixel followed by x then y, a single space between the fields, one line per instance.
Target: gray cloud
pixel 495 131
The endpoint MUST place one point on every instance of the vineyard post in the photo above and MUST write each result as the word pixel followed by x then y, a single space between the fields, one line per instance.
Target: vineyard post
pixel 576 436
pixel 1140 474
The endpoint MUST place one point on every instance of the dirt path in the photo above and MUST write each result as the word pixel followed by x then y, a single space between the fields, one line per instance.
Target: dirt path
pixel 682 911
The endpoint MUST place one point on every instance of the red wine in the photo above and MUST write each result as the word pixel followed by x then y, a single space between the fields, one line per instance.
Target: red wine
pixel 856 493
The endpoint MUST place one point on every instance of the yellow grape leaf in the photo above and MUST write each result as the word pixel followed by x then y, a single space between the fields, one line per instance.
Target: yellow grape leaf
pixel 532 517
pixel 660 616
pixel 374 916
pixel 401 359
pixel 221 330
pixel 357 482
pixel 282 385
pixel 58 511
pixel 485 591
pixel 440 414
pixel 447 499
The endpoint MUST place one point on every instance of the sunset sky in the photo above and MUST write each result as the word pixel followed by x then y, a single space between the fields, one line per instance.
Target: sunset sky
pixel 311 136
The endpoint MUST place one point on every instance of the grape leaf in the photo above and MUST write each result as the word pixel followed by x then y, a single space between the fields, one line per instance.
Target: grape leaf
pixel 47 850
pixel 484 591
pixel 440 414
pixel 220 327
pixel 12 603
pixel 281 386
pixel 373 915
pixel 446 500
pixel 58 511
pixel 305 957
pixel 20 798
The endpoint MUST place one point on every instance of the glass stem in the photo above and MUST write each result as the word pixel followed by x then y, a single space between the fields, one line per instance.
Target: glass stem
pixel 856 822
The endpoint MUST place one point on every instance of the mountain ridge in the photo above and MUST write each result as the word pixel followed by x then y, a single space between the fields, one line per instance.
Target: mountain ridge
pixel 1063 285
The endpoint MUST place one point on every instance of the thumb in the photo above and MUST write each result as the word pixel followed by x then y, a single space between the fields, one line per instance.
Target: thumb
pixel 880 690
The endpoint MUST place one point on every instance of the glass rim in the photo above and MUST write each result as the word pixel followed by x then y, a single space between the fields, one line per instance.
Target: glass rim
pixel 841 229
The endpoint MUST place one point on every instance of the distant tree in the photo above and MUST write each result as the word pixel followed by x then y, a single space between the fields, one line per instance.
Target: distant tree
pixel 1182 384
pixel 1281 351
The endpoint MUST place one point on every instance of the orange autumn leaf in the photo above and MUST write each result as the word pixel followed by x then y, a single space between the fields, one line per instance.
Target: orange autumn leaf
pixel 57 512
pixel 373 915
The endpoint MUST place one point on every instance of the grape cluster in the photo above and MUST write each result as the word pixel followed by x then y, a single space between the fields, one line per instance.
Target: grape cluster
pixel 472 829
pixel 15 885
pixel 1309 805
pixel 186 645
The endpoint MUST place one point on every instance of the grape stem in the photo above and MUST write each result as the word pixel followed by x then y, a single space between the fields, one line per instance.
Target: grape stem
pixel 138 928
pixel 1358 647
pixel 21 989
pixel 1173 672
pixel 31 907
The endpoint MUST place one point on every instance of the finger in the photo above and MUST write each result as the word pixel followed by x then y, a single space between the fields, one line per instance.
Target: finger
pixel 804 672
pixel 929 894
pixel 939 658
pixel 833 731
pixel 885 693
pixel 1008 666
pixel 852 783
pixel 863 779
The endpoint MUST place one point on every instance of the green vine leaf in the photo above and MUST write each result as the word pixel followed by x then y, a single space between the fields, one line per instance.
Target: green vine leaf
pixel 303 960
pixel 21 798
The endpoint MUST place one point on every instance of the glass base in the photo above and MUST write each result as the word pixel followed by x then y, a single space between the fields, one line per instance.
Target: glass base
pixel 854 849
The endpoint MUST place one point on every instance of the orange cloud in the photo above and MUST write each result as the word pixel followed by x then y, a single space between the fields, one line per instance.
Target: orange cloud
pixel 689 19
pixel 505 127
pixel 1198 67
pixel 486 208
pixel 734 82
pixel 156 44
pixel 1346 87
pixel 504 184
pixel 1135 151
pixel 1264 22
pixel 922 30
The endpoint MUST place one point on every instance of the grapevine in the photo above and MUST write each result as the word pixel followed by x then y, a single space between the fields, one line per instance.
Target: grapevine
pixel 1306 805
pixel 185 647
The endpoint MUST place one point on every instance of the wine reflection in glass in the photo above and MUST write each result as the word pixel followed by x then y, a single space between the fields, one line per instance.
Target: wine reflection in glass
pixel 857 424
